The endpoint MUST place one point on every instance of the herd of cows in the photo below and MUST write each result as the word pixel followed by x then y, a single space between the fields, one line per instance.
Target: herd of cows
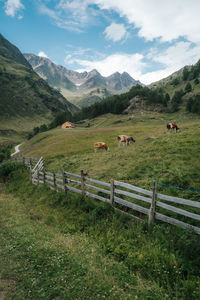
pixel 126 140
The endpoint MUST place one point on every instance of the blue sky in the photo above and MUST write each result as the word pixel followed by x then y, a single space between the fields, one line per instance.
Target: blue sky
pixel 149 39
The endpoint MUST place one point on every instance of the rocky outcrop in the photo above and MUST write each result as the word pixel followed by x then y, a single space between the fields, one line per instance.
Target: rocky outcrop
pixel 139 102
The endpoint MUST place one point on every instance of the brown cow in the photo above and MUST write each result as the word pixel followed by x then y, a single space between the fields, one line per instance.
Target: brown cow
pixel 100 145
pixel 125 139
pixel 173 126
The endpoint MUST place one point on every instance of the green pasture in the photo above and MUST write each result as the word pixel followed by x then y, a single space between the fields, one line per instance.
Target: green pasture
pixel 157 154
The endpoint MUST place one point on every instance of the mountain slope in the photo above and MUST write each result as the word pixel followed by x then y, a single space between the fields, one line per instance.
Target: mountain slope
pixel 23 94
pixel 79 86
pixel 183 88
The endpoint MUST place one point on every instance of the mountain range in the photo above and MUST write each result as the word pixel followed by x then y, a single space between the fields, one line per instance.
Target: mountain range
pixel 25 98
pixel 83 88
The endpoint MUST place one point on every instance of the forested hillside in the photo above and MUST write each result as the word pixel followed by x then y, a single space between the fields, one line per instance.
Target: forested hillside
pixel 183 88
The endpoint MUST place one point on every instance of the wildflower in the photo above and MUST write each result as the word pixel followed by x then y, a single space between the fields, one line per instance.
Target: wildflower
pixel 140 255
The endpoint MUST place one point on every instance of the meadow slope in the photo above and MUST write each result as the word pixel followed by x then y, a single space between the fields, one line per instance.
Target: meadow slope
pixel 156 155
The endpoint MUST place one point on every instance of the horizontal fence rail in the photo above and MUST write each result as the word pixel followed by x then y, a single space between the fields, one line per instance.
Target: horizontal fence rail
pixel 131 200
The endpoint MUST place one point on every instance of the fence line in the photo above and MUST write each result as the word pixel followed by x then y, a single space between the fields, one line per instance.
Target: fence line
pixel 117 194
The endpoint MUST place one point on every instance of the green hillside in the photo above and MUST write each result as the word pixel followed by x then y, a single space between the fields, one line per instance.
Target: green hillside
pixel 26 100
pixel 186 82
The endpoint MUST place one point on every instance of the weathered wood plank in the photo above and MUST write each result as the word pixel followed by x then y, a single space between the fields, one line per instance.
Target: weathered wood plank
pixel 178 210
pixel 49 173
pixel 60 186
pixel 179 200
pixel 152 207
pixel 59 180
pixel 97 197
pixel 73 175
pixel 36 181
pixel 173 221
pixel 127 214
pixel 49 177
pixel 112 192
pixel 50 182
pixel 97 181
pixel 132 195
pixel 134 188
pixel 97 188
pixel 73 181
pixel 58 175
pixel 131 205
pixel 74 189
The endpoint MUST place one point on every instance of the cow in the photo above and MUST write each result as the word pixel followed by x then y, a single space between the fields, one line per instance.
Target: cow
pixel 173 126
pixel 101 145
pixel 125 139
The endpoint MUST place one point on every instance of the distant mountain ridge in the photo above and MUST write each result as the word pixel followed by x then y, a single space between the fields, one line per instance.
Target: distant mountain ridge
pixel 78 83
pixel 23 94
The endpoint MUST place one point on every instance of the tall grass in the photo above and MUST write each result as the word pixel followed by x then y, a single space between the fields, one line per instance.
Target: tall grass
pixel 69 247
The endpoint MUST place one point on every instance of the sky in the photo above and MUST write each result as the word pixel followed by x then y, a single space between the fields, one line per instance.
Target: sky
pixel 149 39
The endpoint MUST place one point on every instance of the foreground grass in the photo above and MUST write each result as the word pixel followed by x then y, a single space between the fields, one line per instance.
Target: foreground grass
pixel 58 246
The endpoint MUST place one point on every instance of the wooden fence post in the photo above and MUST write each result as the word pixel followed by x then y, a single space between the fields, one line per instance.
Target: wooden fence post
pixel 38 177
pixel 30 163
pixel 64 181
pixel 82 183
pixel 31 181
pixel 112 191
pixel 152 209
pixel 54 181
pixel 23 160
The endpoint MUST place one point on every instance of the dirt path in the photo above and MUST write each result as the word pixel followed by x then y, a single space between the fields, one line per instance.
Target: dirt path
pixel 16 149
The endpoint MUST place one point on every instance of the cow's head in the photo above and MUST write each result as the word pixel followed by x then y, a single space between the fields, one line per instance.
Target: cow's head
pixel 131 139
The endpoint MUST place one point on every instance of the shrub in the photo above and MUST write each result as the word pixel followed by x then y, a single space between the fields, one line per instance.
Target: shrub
pixel 7 168
pixel 5 152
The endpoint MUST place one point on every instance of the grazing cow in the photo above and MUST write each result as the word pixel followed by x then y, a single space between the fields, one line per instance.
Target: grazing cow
pixel 172 126
pixel 100 145
pixel 125 139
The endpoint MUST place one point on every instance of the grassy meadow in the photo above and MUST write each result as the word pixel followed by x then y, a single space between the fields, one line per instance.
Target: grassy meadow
pixel 59 246
pixel 62 246
pixel 157 154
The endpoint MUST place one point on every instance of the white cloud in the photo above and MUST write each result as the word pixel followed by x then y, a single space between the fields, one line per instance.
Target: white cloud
pixel 154 19
pixel 159 19
pixel 74 15
pixel 173 58
pixel 12 7
pixel 115 63
pixel 115 32
pixel 42 54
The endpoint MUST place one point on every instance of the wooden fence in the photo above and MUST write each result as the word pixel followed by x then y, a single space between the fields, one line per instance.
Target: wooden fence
pixel 134 201
pixel 129 199
pixel 27 161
